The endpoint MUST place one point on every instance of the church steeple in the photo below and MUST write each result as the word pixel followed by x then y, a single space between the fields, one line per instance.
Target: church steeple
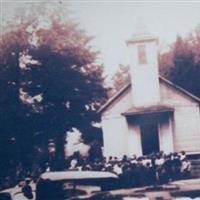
pixel 144 68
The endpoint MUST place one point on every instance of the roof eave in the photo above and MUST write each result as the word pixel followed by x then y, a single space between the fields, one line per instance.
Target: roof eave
pixel 180 89
pixel 148 112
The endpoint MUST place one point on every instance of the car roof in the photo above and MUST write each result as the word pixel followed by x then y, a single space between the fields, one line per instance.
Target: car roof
pixel 75 175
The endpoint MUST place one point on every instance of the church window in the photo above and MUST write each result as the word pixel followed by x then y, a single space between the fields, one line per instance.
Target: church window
pixel 142 59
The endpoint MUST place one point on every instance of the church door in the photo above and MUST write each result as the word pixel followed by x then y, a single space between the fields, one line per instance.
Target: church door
pixel 149 138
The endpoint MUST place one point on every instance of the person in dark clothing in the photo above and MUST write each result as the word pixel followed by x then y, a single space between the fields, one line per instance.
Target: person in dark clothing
pixel 150 174
pixel 134 175
pixel 126 176
pixel 167 170
pixel 141 174
pixel 27 190
pixel 176 167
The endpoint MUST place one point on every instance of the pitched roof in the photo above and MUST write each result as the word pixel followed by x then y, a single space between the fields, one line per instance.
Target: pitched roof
pixel 128 85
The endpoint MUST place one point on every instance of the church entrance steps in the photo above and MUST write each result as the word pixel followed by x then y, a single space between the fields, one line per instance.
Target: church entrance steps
pixel 195 168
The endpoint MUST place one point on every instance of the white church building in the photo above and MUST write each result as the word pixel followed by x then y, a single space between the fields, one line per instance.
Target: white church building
pixel 150 114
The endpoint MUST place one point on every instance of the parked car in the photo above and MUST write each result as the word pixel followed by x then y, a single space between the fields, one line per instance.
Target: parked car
pixel 68 184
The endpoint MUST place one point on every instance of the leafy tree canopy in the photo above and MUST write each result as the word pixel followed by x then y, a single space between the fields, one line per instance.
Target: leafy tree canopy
pixel 181 64
pixel 49 79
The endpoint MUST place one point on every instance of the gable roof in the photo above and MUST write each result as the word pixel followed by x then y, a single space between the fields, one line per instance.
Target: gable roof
pixel 162 79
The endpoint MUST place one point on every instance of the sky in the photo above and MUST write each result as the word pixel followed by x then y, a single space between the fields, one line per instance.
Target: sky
pixel 113 22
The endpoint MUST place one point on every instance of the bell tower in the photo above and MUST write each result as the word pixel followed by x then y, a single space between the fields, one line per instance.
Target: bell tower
pixel 144 68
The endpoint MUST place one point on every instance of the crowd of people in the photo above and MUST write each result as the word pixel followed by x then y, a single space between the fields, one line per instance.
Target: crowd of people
pixel 139 171
pixel 134 171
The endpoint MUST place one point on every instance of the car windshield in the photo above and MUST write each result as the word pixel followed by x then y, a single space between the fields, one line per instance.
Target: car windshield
pixel 63 189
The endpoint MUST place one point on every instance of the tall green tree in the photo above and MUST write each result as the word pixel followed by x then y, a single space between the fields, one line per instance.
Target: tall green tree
pixel 13 113
pixel 49 82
